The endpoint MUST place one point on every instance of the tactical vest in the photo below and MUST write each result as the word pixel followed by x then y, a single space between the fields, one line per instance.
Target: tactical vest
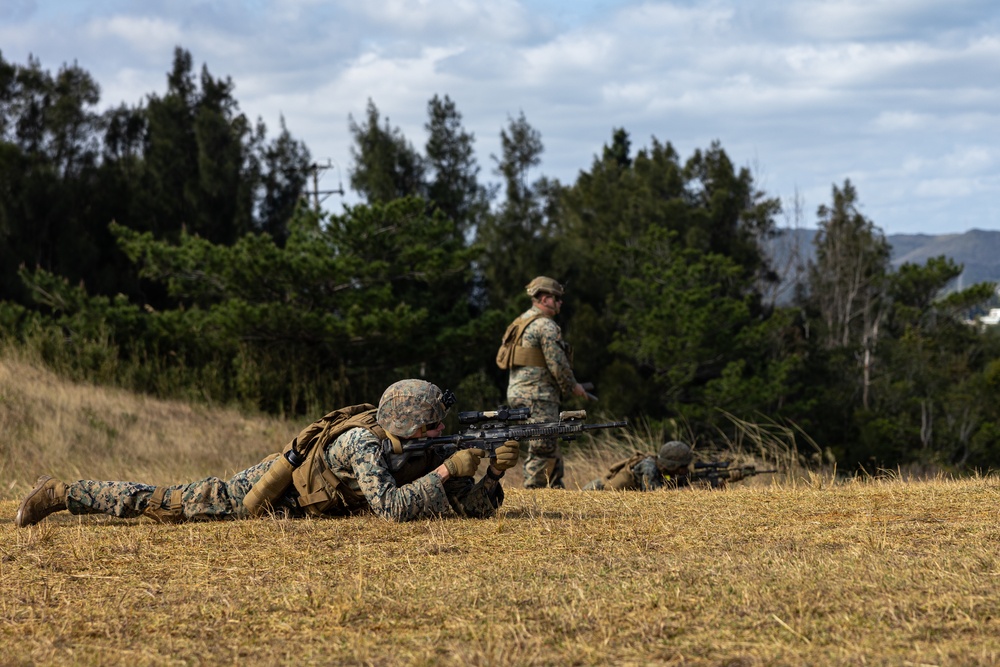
pixel 620 476
pixel 511 353
pixel 319 489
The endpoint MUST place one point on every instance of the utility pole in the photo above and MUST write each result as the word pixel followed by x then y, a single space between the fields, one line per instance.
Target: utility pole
pixel 316 168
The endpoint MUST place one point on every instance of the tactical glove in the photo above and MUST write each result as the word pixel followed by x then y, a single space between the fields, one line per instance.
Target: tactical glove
pixel 505 456
pixel 464 462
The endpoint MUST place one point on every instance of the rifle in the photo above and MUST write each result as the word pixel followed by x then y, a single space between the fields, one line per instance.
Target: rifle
pixel 716 471
pixel 489 430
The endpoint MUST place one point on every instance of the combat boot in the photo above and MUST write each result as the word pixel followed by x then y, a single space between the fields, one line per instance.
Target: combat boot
pixel 48 496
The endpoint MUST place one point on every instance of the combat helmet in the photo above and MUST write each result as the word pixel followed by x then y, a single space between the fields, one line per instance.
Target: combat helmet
pixel 544 285
pixel 673 456
pixel 408 405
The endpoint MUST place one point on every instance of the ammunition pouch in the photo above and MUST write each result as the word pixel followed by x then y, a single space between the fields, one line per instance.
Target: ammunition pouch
pixel 620 476
pixel 173 513
pixel 528 356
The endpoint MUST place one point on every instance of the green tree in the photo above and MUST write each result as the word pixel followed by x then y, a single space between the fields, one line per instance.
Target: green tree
pixel 202 170
pixel 847 281
pixel 332 317
pixel 903 378
pixel 517 238
pixel 664 263
pixel 285 164
pixel 454 186
pixel 48 154
pixel 188 159
pixel 386 166
pixel 930 383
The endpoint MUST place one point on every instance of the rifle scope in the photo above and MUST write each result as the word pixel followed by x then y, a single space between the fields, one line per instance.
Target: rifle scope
pixel 502 414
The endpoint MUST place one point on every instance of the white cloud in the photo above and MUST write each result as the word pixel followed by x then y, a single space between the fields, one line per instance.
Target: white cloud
pixel 147 35
pixel 945 188
pixel 463 20
pixel 394 80
pixel 902 121
pixel 970 159
pixel 571 55
pixel 673 22
pixel 865 19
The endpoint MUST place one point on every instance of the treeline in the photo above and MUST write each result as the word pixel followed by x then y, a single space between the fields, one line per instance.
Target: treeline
pixel 164 248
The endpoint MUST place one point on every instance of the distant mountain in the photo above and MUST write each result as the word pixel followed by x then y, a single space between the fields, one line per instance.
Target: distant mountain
pixel 977 250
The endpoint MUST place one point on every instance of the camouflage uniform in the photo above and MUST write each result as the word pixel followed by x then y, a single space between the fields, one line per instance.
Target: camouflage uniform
pixel 356 456
pixel 539 388
pixel 646 476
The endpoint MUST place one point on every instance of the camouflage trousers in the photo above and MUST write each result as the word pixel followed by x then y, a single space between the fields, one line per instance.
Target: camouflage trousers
pixel 543 466
pixel 210 498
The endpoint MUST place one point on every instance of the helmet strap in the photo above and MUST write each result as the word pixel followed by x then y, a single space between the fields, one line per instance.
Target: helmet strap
pixel 397 445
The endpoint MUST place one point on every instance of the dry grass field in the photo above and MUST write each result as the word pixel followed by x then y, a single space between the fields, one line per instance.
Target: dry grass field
pixel 798 570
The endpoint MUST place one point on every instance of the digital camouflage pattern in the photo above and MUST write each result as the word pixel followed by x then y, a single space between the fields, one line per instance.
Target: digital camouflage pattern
pixel 543 465
pixel 355 456
pixel 645 476
pixel 673 455
pixel 537 383
pixel 539 388
pixel 408 405
pixel 209 498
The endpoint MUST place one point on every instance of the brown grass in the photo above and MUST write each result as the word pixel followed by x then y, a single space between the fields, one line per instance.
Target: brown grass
pixel 798 572
pixel 80 431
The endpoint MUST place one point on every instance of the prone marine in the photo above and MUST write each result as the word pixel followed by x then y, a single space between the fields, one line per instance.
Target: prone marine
pixel 336 466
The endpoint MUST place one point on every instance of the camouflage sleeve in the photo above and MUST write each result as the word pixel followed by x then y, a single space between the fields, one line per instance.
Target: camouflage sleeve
pixel 546 334
pixel 359 452
pixel 647 475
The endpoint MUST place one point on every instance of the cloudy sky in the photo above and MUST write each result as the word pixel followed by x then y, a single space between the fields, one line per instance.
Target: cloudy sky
pixel 900 96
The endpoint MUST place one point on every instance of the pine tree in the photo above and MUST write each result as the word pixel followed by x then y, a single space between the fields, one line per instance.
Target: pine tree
pixel 386 166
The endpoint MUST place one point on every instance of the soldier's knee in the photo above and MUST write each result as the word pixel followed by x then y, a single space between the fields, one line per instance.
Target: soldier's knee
pixel 165 505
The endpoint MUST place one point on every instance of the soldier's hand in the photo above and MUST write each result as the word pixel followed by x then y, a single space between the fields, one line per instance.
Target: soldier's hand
pixel 464 462
pixel 505 456
pixel 736 475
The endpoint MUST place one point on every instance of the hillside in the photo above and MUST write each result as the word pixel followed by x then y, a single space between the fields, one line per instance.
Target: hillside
pixel 977 250
pixel 73 430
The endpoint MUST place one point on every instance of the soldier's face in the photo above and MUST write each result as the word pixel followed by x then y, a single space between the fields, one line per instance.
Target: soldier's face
pixel 553 303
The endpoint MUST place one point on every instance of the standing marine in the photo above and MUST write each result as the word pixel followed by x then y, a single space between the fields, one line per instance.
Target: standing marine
pixel 349 461
pixel 669 469
pixel 541 371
